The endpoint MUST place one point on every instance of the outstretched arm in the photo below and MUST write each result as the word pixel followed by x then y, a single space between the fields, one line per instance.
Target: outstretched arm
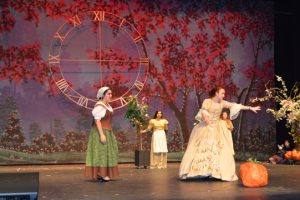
pixel 252 108
pixel 236 108
pixel 227 104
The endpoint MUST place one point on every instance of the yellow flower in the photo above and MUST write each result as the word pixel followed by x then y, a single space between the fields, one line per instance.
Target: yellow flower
pixel 291 117
pixel 288 104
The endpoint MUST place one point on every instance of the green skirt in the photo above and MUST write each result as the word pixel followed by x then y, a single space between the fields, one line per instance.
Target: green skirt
pixel 101 159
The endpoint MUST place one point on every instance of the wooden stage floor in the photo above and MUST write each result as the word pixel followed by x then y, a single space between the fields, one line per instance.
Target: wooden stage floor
pixel 68 182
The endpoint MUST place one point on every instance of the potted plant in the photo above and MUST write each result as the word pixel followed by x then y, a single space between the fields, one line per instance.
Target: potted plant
pixel 289 107
pixel 137 115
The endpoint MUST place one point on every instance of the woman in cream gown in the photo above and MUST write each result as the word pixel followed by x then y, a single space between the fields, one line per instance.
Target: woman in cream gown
pixel 210 148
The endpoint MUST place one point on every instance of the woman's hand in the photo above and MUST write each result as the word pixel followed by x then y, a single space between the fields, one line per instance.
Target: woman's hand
pixel 207 121
pixel 205 117
pixel 255 109
pixel 102 139
pixel 143 131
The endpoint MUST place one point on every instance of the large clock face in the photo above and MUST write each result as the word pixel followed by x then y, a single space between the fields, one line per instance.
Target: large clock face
pixel 98 49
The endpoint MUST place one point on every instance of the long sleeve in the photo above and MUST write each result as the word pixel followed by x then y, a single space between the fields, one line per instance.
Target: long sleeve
pixel 204 110
pixel 234 108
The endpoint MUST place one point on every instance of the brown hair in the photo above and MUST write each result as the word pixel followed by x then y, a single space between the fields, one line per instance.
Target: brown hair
pixel 156 112
pixel 212 93
pixel 221 116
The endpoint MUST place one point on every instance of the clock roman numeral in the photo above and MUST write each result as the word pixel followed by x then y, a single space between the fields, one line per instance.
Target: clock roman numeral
pixel 83 101
pixel 123 101
pixel 122 22
pixel 137 39
pixel 98 15
pixel 75 20
pixel 53 59
pixel 62 84
pixel 59 36
pixel 139 85
pixel 144 60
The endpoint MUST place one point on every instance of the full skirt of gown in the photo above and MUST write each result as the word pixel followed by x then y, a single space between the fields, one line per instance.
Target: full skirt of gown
pixel 209 153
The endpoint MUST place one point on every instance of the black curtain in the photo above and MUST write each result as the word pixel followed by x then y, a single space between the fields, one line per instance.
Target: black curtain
pixel 287 51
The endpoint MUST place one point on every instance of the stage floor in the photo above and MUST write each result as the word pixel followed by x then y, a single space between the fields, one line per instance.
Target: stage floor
pixel 68 182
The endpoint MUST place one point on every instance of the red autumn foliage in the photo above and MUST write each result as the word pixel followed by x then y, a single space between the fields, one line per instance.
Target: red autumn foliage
pixel 188 62
pixel 23 63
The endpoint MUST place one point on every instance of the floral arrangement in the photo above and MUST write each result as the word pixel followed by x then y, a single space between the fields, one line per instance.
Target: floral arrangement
pixel 137 114
pixel 289 106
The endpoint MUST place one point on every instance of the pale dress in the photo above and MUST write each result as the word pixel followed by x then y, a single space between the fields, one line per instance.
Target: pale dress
pixel 159 149
pixel 210 149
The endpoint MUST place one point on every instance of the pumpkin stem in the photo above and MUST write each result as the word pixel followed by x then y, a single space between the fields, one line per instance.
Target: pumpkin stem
pixel 253 160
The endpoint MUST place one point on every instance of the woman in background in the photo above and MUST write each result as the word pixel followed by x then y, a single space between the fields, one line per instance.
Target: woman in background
pixel 159 150
pixel 224 117
pixel 279 157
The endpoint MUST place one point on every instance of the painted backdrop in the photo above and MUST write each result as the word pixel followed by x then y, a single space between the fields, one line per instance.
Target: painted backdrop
pixel 56 54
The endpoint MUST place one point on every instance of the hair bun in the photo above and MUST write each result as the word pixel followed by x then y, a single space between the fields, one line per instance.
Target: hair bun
pixel 212 93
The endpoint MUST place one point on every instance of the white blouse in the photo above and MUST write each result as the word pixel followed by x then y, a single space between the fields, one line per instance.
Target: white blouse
pixel 100 111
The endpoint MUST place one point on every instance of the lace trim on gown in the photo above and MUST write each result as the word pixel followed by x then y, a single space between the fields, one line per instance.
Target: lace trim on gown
pixel 199 116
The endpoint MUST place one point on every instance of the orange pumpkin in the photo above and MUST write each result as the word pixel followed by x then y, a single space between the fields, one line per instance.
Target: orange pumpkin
pixel 288 155
pixel 297 157
pixel 294 154
pixel 253 174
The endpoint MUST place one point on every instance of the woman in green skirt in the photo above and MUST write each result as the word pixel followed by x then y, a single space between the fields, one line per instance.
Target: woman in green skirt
pixel 102 150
